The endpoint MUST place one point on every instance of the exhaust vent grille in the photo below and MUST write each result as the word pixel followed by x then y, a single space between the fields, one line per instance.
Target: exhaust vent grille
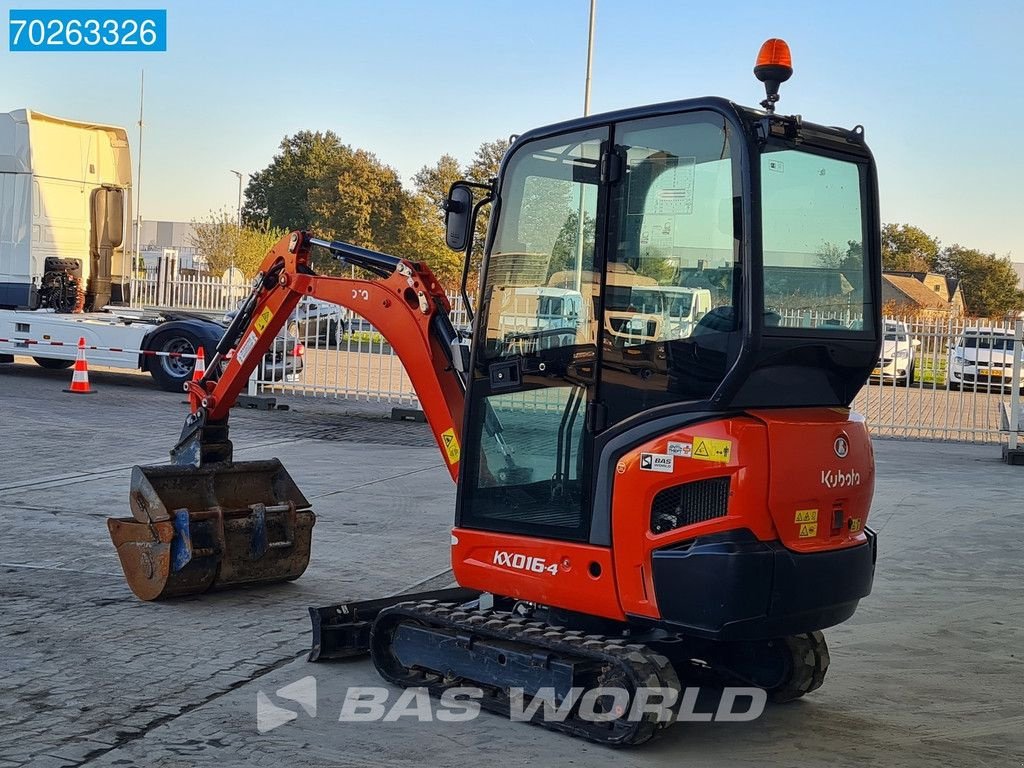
pixel 690 503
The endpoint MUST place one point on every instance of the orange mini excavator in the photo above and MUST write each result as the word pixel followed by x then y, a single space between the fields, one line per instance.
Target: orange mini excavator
pixel 649 423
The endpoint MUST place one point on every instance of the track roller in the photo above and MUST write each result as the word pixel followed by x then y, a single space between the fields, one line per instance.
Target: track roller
pixel 808 661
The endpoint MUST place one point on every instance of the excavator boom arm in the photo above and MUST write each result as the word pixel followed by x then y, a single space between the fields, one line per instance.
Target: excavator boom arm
pixel 405 303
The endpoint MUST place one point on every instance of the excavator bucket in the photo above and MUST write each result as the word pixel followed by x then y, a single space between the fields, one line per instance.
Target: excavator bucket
pixel 218 526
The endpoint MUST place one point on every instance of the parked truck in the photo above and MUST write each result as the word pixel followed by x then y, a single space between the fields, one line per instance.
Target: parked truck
pixel 678 310
pixel 66 254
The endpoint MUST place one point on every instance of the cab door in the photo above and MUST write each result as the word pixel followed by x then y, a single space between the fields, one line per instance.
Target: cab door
pixel 526 460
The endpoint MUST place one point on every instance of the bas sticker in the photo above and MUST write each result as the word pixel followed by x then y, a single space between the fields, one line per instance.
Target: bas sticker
pixel 806 516
pixel 451 445
pixel 807 530
pixel 711 449
pixel 246 348
pixel 263 320
pixel 855 524
pixel 657 462
pixel 680 449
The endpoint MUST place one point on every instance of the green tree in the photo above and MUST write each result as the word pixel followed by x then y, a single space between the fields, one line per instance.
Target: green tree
pixel 566 247
pixel 664 270
pixel 358 199
pixel 318 183
pixel 254 244
pixel 220 242
pixel 215 239
pixel 280 192
pixel 549 212
pixel 487 161
pixel 421 238
pixel 482 169
pixel 434 181
pixel 906 248
pixel 988 282
pixel 833 256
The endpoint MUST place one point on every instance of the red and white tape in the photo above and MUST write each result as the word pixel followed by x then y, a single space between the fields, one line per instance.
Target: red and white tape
pixel 74 345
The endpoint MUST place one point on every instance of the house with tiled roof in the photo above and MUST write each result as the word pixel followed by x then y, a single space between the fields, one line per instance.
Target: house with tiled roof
pixel 922 293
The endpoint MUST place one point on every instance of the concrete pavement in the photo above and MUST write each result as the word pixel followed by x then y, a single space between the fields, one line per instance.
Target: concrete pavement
pixel 928 671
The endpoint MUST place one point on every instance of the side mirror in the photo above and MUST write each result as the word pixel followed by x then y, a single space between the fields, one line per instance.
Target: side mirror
pixel 108 218
pixel 916 343
pixel 458 217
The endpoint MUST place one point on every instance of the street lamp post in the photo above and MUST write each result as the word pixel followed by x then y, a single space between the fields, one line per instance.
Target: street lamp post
pixel 239 174
pixel 580 224
pixel 590 58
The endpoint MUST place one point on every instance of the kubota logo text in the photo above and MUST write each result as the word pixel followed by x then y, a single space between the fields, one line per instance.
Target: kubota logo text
pixel 522 562
pixel 832 478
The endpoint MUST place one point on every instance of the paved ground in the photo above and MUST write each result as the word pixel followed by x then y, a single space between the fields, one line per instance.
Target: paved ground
pixel 927 672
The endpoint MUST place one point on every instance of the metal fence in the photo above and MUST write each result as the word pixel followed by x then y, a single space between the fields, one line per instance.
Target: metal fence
pixel 944 379
pixel 345 357
pixel 948 379
pixel 162 287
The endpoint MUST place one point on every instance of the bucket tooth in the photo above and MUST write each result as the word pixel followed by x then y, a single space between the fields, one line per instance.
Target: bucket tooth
pixel 217 526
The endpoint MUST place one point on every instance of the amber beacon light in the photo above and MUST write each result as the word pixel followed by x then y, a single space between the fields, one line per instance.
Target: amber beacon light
pixel 774 66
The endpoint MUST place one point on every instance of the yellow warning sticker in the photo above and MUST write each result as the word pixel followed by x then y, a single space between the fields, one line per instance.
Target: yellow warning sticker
pixel 855 524
pixel 806 516
pixel 807 530
pixel 712 449
pixel 263 320
pixel 451 445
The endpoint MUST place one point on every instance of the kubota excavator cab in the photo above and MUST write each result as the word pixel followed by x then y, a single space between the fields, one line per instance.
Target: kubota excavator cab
pixel 777 218
pixel 698 492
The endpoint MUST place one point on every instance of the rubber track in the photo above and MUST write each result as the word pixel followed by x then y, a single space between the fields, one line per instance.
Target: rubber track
pixel 637 664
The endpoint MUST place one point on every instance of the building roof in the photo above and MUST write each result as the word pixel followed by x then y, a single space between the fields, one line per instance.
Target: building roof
pixel 952 283
pixel 915 291
pixel 167 234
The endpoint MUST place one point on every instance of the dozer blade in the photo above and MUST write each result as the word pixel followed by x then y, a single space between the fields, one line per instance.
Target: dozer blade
pixel 213 527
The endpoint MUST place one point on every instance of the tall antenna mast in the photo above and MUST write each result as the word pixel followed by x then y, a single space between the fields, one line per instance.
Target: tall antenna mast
pixel 590 58
pixel 581 215
pixel 138 183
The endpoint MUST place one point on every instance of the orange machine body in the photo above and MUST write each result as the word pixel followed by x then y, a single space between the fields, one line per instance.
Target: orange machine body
pixel 809 494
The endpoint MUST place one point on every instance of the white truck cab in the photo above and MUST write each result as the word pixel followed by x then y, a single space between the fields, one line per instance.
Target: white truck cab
pixel 672 311
pixel 65 254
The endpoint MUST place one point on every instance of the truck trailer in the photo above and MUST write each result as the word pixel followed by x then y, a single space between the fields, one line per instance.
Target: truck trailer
pixel 66 254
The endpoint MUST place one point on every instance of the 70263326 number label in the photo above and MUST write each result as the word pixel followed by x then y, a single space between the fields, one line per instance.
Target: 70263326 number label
pixel 87 30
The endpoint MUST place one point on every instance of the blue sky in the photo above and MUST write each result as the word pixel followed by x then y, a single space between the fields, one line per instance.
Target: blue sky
pixel 937 86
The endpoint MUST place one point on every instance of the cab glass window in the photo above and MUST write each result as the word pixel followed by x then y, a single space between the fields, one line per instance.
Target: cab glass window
pixel 815 274
pixel 672 281
pixel 541 285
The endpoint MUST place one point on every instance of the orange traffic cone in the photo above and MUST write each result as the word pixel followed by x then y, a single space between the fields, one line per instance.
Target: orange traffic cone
pixel 197 373
pixel 200 370
pixel 80 378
